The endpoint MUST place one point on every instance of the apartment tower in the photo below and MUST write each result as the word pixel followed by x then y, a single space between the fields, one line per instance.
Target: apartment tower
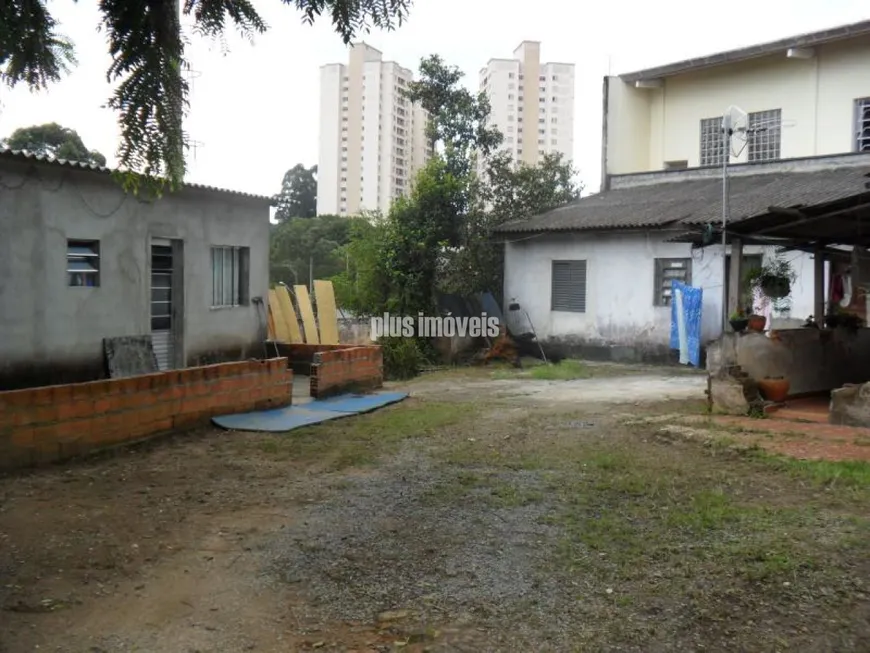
pixel 532 103
pixel 372 140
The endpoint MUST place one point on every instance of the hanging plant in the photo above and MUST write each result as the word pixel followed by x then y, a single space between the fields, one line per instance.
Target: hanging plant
pixel 773 279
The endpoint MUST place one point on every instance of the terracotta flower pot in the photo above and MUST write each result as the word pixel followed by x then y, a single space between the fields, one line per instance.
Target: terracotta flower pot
pixel 757 322
pixel 775 390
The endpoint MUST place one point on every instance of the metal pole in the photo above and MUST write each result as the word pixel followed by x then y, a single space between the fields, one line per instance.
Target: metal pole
pixel 726 153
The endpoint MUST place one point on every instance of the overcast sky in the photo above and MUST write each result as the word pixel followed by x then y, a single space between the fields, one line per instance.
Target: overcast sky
pixel 254 111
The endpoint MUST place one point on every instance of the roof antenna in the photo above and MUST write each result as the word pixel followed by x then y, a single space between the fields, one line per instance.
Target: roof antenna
pixel 737 130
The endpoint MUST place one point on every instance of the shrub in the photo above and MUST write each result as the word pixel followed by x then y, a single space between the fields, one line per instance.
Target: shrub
pixel 402 358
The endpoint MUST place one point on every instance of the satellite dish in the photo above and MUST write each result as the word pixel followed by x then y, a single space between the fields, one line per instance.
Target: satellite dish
pixel 735 124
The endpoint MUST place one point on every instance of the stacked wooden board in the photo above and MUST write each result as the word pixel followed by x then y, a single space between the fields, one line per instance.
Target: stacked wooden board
pixel 283 321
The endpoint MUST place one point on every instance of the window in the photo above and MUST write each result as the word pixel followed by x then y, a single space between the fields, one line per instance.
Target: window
pixel 83 263
pixel 668 269
pixel 568 286
pixel 765 140
pixel 676 165
pixel 229 274
pixel 862 125
pixel 712 146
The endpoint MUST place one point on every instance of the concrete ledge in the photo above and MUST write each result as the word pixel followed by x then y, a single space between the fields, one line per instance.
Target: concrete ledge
pixel 638 354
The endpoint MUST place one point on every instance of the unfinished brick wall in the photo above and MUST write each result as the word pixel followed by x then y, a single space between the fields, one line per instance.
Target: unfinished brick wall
pixel 337 368
pixel 40 425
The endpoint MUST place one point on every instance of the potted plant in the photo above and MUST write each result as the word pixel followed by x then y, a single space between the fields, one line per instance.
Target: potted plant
pixel 773 279
pixel 774 388
pixel 739 321
pixel 756 322
pixel 832 316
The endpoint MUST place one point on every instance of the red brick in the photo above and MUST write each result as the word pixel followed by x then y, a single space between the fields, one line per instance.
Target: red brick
pixel 22 437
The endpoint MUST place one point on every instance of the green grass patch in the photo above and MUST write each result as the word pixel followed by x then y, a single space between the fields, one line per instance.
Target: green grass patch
pixel 848 473
pixel 567 370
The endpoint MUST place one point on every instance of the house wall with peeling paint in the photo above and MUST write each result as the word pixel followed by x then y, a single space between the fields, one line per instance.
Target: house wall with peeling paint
pixel 620 280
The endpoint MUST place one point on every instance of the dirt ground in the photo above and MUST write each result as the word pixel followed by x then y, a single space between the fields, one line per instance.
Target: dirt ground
pixel 491 511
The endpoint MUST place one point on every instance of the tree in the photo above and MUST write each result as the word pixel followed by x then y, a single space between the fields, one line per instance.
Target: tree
pixel 506 192
pixel 55 141
pixel 298 196
pixel 296 244
pixel 441 236
pixel 148 62
pixel 457 119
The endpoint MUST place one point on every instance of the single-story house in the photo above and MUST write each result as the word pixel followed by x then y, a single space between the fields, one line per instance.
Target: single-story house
pixel 80 261
pixel 594 275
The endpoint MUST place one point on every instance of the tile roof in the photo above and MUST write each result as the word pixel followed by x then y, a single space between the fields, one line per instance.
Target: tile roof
pixel 21 155
pixel 697 201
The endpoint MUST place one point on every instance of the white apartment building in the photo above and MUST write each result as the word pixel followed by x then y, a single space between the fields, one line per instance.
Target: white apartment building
pixel 532 103
pixel 372 140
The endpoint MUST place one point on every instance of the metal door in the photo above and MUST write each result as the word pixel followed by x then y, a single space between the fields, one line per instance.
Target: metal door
pixel 161 302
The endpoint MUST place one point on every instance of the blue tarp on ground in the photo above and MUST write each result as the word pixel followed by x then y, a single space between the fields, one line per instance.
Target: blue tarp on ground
pixel 279 420
pixel 686 323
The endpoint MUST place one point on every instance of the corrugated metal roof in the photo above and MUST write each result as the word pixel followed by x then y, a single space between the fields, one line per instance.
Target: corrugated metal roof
pixel 20 155
pixel 812 39
pixel 697 201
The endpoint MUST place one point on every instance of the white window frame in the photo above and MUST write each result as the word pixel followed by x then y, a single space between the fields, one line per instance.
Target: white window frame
pixel 82 263
pixel 712 144
pixel 765 145
pixel 228 276
pixel 861 137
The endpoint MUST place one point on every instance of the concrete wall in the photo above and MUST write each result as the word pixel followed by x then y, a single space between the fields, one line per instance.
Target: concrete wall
pixel 812 360
pixel 53 333
pixel 620 278
pixel 648 126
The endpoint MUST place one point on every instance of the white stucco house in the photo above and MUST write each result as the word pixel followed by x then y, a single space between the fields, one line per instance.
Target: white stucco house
pixel 594 274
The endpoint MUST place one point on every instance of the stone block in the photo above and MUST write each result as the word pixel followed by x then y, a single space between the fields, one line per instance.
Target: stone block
pixel 728 396
pixel 850 405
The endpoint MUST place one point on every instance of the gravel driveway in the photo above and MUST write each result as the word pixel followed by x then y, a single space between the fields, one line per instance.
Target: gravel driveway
pixel 482 514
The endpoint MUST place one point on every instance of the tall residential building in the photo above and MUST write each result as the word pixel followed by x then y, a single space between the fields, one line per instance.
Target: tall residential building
pixel 532 103
pixel 372 140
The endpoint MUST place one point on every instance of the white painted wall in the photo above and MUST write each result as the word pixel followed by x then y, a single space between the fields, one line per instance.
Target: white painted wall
pixel 620 273
pixel 646 127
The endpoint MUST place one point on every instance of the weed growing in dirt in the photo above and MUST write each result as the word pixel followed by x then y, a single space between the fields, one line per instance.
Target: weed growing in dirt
pixel 849 473
pixel 567 370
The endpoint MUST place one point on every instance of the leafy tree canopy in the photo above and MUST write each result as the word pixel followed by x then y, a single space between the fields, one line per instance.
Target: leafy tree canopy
pixel 298 196
pixel 148 63
pixel 440 238
pixel 457 119
pixel 297 243
pixel 55 141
